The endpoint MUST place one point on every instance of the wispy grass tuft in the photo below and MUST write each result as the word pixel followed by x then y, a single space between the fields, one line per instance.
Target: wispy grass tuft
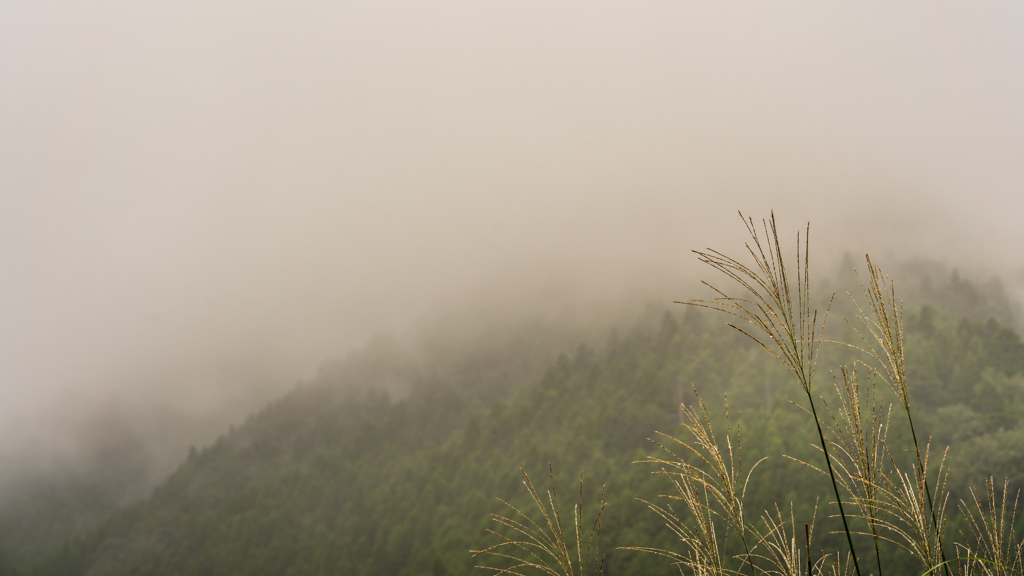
pixel 542 546
pixel 704 552
pixel 783 551
pixel 717 491
pixel 916 524
pixel 992 536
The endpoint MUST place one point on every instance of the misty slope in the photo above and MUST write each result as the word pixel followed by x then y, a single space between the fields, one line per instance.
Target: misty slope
pixel 40 510
pixel 331 480
pixel 337 477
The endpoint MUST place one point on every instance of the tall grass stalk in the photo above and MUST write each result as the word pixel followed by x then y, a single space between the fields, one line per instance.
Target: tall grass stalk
pixel 860 427
pixel 884 344
pixel 780 320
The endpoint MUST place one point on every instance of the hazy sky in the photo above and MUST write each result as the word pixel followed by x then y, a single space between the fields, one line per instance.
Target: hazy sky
pixel 200 195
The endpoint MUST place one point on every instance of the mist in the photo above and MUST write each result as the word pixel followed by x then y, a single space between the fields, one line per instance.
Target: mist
pixel 202 203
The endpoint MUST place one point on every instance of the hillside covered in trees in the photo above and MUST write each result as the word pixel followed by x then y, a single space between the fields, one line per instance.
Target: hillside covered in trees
pixel 380 467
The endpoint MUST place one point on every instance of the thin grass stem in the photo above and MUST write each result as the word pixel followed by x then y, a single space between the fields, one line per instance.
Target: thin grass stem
pixel 791 332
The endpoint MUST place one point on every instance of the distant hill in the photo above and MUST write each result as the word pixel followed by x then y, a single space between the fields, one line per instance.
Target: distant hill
pixel 383 465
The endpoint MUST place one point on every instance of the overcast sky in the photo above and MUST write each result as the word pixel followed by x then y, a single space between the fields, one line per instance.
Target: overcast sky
pixel 201 195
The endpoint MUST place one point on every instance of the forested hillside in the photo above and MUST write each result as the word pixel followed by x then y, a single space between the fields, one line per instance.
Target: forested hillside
pixel 351 474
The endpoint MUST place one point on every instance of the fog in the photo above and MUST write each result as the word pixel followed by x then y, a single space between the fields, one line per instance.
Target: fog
pixel 202 202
